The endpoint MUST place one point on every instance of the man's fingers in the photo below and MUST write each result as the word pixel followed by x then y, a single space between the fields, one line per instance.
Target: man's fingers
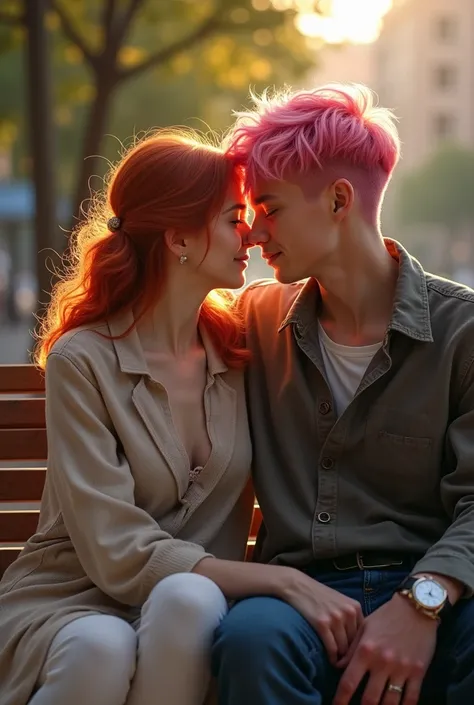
pixel 350 681
pixel 393 696
pixel 412 691
pixel 374 690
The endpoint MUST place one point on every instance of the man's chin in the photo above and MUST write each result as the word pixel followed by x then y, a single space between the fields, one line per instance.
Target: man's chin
pixel 286 277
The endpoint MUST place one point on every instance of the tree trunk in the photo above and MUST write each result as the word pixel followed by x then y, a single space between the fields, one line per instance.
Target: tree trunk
pixel 95 128
pixel 41 144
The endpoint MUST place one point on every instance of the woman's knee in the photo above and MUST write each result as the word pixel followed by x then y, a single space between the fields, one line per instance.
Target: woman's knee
pixel 186 598
pixel 97 646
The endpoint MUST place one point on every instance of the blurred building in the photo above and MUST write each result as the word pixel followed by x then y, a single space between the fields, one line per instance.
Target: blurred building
pixel 424 71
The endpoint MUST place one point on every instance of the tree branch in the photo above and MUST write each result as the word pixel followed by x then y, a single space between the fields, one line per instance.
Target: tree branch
pixel 128 15
pixel 160 57
pixel 123 22
pixel 71 33
pixel 6 18
pixel 108 16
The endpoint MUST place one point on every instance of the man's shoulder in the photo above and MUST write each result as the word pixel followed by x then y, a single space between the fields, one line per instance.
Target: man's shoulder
pixel 265 296
pixel 449 290
pixel 451 306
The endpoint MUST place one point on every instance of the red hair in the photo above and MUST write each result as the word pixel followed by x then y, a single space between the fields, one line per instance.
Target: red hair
pixel 170 180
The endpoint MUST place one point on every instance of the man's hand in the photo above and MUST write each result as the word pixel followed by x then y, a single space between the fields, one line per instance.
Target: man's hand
pixel 395 645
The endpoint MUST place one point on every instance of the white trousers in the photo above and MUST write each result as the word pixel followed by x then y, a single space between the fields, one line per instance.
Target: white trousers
pixel 103 660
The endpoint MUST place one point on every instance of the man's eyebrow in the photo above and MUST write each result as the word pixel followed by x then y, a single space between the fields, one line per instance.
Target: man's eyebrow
pixel 264 197
pixel 236 206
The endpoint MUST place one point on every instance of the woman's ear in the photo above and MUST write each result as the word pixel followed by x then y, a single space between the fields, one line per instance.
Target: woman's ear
pixel 176 243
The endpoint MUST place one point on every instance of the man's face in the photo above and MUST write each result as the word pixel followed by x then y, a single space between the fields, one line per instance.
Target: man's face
pixel 297 233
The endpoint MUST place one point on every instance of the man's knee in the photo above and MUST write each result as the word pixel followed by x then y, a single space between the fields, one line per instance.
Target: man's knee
pixel 261 630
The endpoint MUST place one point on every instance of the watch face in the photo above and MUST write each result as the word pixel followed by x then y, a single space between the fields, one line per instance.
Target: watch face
pixel 429 593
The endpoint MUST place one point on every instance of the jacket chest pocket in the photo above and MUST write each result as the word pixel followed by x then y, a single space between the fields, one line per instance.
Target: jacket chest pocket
pixel 399 444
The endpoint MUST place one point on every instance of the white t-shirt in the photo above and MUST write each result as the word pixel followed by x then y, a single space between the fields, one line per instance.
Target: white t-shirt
pixel 345 366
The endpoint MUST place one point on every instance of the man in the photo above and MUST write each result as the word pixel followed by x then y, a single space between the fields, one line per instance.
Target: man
pixel 361 395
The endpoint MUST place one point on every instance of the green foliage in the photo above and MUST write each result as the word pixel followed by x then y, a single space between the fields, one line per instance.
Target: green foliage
pixel 441 190
pixel 161 61
pixel 11 72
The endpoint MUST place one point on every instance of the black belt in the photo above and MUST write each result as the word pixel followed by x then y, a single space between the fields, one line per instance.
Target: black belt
pixel 366 560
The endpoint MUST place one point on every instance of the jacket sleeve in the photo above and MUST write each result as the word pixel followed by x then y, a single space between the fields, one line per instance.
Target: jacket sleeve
pixel 120 546
pixel 453 554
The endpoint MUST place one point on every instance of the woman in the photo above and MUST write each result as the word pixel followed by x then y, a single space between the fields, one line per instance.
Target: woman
pixel 146 508
pixel 149 449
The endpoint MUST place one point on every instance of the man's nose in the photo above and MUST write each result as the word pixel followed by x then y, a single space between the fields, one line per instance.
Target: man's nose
pixel 257 234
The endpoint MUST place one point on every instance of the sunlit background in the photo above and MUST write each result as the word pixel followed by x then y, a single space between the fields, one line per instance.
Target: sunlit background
pixel 189 62
pixel 345 21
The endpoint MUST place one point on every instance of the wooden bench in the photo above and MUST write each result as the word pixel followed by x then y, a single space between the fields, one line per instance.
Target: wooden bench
pixel 23 452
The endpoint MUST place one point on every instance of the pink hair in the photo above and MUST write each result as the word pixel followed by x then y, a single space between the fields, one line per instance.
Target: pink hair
pixel 330 127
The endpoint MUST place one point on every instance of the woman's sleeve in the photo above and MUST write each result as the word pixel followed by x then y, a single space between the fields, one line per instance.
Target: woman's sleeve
pixel 120 546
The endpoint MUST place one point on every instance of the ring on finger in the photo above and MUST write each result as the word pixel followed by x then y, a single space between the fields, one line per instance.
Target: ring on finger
pixel 395 688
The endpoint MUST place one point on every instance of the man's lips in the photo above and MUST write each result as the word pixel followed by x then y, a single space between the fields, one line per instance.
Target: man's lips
pixel 271 257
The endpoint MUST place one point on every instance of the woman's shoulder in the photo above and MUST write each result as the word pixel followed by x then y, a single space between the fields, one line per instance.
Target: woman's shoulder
pixel 88 348
pixel 81 339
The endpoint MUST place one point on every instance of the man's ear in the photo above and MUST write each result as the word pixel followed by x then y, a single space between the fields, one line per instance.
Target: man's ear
pixel 343 196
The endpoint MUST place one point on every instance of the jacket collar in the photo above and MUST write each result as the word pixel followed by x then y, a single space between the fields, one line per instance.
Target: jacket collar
pixel 410 314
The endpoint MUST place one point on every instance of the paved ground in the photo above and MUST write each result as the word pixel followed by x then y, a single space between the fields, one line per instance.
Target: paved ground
pixel 15 341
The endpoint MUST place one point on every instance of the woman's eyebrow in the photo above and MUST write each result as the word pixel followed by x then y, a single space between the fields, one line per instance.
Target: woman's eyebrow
pixel 236 206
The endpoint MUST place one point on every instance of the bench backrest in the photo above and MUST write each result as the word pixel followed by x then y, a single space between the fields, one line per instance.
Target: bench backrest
pixel 23 453
pixel 22 456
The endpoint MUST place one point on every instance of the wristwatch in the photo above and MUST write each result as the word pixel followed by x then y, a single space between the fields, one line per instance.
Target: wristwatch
pixel 427 595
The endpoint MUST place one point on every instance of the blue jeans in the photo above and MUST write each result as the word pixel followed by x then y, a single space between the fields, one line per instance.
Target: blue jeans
pixel 266 653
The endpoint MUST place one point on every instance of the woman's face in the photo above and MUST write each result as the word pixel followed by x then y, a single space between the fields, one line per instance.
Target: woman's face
pixel 226 260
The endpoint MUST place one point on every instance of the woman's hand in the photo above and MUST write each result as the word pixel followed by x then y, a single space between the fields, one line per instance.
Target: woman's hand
pixel 335 617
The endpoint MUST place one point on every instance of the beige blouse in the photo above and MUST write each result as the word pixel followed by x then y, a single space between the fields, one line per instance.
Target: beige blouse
pixel 118 512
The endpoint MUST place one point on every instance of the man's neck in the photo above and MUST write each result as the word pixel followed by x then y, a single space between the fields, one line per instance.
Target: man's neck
pixel 357 291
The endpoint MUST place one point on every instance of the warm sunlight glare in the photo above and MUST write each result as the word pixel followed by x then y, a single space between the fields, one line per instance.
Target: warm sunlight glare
pixel 357 21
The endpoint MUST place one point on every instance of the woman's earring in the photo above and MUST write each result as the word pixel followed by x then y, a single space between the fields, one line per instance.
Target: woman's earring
pixel 183 259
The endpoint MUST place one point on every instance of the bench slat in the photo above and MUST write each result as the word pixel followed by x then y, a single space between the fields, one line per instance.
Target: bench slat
pixel 18 379
pixel 7 557
pixel 23 444
pixel 21 485
pixel 22 413
pixel 16 527
pixel 256 521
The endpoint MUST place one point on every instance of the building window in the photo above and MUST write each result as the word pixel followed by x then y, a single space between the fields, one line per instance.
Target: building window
pixel 444 76
pixel 445 29
pixel 443 126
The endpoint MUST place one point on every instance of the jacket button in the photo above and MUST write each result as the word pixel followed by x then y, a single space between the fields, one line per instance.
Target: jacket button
pixel 324 408
pixel 327 463
pixel 324 517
